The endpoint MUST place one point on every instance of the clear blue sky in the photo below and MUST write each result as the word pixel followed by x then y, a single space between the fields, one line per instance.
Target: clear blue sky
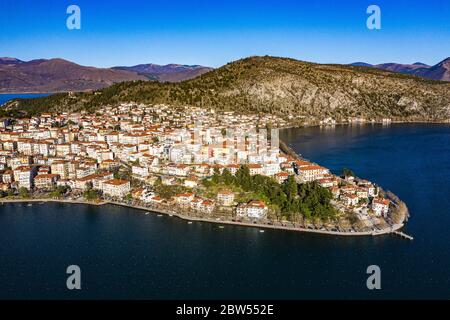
pixel 213 32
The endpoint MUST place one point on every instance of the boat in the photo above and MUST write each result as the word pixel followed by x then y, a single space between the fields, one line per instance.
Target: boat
pixel 189 222
pixel 159 215
pixel 262 231
pixel 30 204
pixel 221 227
pixel 170 215
pixel 147 213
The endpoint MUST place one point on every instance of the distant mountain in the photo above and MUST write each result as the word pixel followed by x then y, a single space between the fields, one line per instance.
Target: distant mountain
pixel 58 75
pixel 440 71
pixel 420 64
pixel 402 68
pixel 167 73
pixel 299 91
pixel 361 64
pixel 9 61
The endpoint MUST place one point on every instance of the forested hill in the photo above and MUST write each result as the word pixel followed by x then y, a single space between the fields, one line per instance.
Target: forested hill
pixel 275 85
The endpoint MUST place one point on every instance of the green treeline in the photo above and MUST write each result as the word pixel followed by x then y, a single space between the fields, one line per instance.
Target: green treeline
pixel 289 198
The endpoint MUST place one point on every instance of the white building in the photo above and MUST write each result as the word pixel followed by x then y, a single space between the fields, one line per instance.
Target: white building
pixel 253 209
pixel 225 197
pixel 184 198
pixel 116 188
pixel 140 172
pixel 191 182
pixel 271 168
pixel 24 177
pixel 349 199
pixel 380 206
pixel 255 168
pixel 312 173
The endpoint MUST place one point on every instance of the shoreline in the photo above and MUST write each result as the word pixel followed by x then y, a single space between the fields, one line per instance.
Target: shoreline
pixel 385 231
pixel 314 125
pixel 278 225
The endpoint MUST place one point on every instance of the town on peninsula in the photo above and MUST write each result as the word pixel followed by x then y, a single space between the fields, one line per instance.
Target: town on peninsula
pixel 194 163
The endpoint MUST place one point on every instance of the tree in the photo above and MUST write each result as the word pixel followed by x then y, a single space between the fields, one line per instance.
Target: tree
pixel 216 175
pixel 243 177
pixel 290 188
pixel 227 177
pixel 315 201
pixel 269 131
pixel 24 192
pixel 346 172
pixel 91 194
pixel 59 191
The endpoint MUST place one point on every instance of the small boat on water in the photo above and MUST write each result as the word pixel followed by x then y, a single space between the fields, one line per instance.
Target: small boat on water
pixel 159 215
pixel 221 227
pixel 189 222
pixel 170 215
pixel 147 213
pixel 30 204
pixel 262 231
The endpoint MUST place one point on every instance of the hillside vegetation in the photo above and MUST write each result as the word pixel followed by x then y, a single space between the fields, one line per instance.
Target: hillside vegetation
pixel 274 85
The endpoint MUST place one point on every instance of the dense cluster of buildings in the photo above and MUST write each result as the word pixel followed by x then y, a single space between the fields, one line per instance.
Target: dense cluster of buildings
pixel 157 143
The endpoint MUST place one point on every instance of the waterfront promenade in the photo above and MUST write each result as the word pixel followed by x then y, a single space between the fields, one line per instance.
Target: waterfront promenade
pixel 173 212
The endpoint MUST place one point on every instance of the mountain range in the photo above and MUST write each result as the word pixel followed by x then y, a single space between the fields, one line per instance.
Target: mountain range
pixel 440 71
pixel 58 75
pixel 167 73
pixel 299 91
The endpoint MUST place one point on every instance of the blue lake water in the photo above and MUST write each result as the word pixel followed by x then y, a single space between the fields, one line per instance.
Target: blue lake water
pixel 125 254
pixel 5 97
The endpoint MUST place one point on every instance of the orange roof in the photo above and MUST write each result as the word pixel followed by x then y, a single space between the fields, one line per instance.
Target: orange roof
pixel 23 168
pixel 46 176
pixel 282 174
pixel 116 182
pixel 225 191
pixel 257 203
pixel 301 163
pixel 381 201
pixel 313 167
pixel 187 194
pixel 88 177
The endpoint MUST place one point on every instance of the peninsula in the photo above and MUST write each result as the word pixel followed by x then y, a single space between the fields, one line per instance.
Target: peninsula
pixel 198 164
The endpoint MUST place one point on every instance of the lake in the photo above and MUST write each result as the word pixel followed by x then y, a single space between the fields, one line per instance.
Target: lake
pixel 125 254
pixel 5 97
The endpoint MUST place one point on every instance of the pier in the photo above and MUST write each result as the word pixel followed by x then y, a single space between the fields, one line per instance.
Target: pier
pixel 403 235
